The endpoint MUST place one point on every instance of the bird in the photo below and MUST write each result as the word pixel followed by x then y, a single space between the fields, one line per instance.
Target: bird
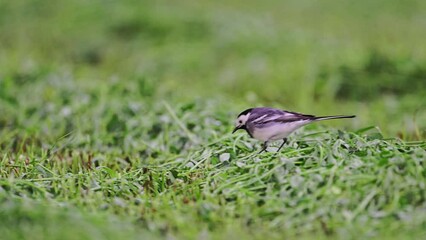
pixel 270 124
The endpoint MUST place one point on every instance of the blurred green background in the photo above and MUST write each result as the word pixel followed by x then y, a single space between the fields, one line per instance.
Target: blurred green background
pixel 320 57
pixel 114 119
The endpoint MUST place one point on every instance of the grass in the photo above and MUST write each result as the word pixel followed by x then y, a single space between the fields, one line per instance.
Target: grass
pixel 204 181
pixel 115 120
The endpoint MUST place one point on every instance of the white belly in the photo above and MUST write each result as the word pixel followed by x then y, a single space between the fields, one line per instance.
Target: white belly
pixel 278 131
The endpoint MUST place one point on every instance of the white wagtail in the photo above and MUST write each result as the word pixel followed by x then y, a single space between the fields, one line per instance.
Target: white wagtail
pixel 270 124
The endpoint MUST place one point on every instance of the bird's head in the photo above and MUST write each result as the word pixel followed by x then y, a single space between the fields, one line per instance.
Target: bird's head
pixel 241 121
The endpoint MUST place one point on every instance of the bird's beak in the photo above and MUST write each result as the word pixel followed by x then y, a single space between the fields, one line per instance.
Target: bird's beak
pixel 237 128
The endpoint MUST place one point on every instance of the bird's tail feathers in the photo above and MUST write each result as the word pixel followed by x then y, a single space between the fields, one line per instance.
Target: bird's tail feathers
pixel 333 117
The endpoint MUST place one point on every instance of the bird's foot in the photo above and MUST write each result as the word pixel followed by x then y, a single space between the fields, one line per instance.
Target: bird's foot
pixel 264 146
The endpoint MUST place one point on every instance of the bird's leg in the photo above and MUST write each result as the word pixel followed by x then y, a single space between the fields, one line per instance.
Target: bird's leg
pixel 264 146
pixel 282 144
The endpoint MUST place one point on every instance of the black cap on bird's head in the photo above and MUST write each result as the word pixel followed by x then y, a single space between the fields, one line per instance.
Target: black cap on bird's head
pixel 242 119
pixel 245 112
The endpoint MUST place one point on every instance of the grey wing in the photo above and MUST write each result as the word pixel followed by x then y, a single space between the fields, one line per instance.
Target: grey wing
pixel 264 117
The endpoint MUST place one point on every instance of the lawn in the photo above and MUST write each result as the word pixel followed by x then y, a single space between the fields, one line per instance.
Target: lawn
pixel 116 119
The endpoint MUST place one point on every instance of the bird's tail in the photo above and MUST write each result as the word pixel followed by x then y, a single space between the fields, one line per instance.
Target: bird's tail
pixel 333 117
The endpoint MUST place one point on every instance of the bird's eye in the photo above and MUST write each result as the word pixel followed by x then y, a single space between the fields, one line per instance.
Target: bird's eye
pixel 240 122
